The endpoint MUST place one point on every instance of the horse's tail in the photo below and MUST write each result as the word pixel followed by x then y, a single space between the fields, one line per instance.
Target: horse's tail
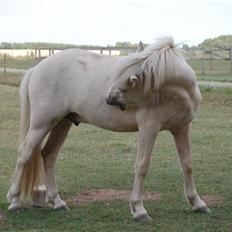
pixel 24 107
pixel 33 172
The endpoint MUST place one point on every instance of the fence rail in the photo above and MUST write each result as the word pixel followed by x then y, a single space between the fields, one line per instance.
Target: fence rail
pixel 202 61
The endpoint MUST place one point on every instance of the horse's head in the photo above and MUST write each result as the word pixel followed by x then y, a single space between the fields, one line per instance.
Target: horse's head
pixel 126 88
pixel 142 74
pixel 126 91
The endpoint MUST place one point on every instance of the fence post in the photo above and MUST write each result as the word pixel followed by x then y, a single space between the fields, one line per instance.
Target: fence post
pixel 203 62
pixel 231 60
pixel 39 55
pixel 211 60
pixel 35 56
pixel 27 59
pixel 5 64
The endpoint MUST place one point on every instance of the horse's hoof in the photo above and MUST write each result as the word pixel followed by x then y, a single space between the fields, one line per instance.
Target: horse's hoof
pixel 17 209
pixel 202 210
pixel 63 207
pixel 143 218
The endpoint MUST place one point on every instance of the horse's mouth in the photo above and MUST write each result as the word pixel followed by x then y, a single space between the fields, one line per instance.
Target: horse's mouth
pixel 122 107
pixel 114 102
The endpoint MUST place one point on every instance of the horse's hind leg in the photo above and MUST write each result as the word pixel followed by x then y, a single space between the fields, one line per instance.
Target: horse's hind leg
pixel 29 148
pixel 182 140
pixel 49 152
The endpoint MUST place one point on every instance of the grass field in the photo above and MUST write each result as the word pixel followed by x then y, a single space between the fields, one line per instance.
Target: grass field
pixel 18 62
pixel 93 159
pixel 216 77
pixel 218 66
pixel 11 78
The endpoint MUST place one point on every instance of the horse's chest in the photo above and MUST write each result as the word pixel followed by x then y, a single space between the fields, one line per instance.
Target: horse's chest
pixel 176 111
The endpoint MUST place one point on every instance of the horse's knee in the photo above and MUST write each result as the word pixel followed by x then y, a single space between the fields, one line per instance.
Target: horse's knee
pixel 187 169
pixel 141 171
pixel 186 166
pixel 141 167
pixel 48 161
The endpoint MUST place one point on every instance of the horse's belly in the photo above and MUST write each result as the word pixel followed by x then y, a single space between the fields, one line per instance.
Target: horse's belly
pixel 120 127
pixel 114 120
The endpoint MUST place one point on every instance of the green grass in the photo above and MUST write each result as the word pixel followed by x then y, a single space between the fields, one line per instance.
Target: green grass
pixel 18 62
pixel 216 77
pixel 216 67
pixel 11 78
pixel 93 158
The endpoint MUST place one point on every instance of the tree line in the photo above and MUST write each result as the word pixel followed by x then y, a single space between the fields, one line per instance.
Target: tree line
pixel 220 42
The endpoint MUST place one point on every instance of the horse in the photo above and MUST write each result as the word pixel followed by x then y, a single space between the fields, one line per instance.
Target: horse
pixel 151 90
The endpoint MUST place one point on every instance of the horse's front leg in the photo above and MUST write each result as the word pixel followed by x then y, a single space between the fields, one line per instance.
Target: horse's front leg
pixel 147 134
pixel 182 140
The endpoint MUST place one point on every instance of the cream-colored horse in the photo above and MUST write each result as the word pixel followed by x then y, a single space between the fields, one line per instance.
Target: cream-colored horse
pixel 148 91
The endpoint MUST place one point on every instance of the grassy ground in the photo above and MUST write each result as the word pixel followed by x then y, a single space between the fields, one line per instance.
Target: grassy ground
pixel 10 78
pixel 216 77
pixel 93 159
pixel 216 67
pixel 18 62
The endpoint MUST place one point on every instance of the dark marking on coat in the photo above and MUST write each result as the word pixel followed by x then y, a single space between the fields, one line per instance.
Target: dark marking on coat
pixel 83 63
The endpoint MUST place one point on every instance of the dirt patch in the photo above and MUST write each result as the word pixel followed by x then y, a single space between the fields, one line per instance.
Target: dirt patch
pixel 212 200
pixel 124 195
pixel 107 195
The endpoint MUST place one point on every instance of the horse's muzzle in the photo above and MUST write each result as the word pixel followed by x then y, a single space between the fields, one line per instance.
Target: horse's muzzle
pixel 114 102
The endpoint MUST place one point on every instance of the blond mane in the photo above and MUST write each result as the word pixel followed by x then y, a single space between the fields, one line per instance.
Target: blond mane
pixel 156 63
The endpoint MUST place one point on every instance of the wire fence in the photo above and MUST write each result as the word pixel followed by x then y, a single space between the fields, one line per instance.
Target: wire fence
pixel 210 61
pixel 204 62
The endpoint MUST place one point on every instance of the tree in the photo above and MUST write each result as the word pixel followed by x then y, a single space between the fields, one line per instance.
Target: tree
pixel 125 45
pixel 222 41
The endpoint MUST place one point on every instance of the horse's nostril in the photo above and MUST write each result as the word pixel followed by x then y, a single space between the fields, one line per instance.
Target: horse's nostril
pixel 109 100
pixel 113 99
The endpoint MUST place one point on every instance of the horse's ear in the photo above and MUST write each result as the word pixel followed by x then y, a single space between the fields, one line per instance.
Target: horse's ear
pixel 134 80
pixel 140 47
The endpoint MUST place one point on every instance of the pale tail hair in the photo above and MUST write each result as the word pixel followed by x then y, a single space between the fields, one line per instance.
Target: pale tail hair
pixel 157 63
pixel 34 170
